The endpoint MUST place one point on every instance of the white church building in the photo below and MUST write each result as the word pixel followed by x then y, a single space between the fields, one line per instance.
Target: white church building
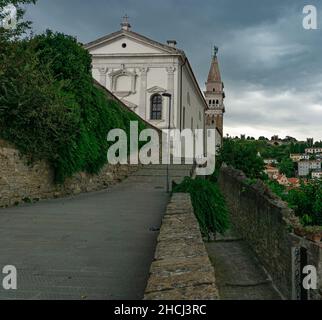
pixel 139 70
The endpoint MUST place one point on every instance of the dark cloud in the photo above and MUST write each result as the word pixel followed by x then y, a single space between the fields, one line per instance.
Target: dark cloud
pixel 272 67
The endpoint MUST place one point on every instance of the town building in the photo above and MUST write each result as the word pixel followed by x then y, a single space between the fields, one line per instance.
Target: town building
pixel 296 157
pixel 305 167
pixel 317 175
pixel 313 150
pixel 270 161
pixel 139 71
pixel 290 183
pixel 272 172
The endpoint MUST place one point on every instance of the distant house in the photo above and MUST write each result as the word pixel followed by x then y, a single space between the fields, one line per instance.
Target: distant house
pixel 282 179
pixel 296 157
pixel 305 167
pixel 317 175
pixel 313 150
pixel 270 161
pixel 288 182
pixel 272 172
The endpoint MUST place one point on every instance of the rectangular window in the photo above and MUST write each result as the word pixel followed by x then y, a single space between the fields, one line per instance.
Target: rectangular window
pixel 156 107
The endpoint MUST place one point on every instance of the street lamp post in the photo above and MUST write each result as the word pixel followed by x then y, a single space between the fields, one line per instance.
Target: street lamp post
pixel 168 95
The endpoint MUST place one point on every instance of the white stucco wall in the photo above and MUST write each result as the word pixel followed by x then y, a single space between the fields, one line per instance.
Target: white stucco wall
pixel 195 109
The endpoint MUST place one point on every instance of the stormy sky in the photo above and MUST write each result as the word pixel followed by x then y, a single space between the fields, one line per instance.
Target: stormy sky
pixel 271 65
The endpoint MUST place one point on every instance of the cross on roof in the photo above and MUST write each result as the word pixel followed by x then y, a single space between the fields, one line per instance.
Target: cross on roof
pixel 126 19
pixel 125 23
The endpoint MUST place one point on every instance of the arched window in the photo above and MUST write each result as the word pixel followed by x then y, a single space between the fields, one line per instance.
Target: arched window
pixel 156 107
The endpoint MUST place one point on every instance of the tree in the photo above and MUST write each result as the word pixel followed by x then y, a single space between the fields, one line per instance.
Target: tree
pixel 307 202
pixel 21 27
pixel 287 167
pixel 242 155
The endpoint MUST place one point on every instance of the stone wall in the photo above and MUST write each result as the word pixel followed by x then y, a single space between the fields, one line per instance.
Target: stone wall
pixel 270 228
pixel 22 182
pixel 181 269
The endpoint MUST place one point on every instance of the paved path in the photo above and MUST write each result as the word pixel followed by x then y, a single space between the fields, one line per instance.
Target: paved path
pixel 93 246
pixel 239 275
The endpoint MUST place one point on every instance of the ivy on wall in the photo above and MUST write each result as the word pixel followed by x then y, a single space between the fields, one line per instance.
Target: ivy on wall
pixel 51 109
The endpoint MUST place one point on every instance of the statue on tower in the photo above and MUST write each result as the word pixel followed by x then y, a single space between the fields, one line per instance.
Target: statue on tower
pixel 216 49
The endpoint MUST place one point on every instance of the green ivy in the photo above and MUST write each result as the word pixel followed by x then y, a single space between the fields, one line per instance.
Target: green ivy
pixel 51 109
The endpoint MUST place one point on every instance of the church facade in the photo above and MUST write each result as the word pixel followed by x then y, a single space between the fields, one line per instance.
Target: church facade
pixel 139 71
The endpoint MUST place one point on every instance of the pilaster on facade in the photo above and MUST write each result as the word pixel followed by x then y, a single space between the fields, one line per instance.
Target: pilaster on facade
pixel 170 84
pixel 143 92
pixel 103 75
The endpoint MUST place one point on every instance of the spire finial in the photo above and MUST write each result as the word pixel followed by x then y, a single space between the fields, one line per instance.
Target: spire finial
pixel 125 23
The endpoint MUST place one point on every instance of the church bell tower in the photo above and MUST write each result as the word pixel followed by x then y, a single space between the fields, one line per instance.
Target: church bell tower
pixel 215 96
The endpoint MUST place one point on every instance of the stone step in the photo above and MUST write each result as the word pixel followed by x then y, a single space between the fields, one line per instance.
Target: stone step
pixel 171 166
pixel 162 172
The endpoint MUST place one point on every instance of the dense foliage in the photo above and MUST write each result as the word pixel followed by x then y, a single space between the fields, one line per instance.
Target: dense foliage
pixel 307 202
pixel 50 108
pixel 242 155
pixel 35 113
pixel 21 26
pixel 287 167
pixel 208 203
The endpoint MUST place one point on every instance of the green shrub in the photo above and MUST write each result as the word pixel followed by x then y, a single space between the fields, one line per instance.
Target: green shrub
pixel 51 109
pixel 277 188
pixel 35 113
pixel 242 155
pixel 307 202
pixel 208 203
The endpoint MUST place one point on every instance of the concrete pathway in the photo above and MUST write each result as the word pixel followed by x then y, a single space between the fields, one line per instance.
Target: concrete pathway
pixel 93 246
pixel 239 275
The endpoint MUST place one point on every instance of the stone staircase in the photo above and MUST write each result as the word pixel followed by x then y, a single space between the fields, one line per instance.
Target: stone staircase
pixel 177 172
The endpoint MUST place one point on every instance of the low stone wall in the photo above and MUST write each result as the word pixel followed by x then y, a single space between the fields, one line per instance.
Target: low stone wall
pixel 270 228
pixel 22 182
pixel 181 269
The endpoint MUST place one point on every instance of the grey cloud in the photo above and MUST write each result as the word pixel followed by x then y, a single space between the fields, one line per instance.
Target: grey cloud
pixel 263 49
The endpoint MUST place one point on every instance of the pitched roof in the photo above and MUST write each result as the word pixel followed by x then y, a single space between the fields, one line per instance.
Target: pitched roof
pixel 293 180
pixel 136 35
pixel 164 47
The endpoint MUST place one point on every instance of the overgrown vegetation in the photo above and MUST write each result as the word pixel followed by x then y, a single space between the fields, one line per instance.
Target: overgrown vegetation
pixel 306 201
pixel 242 155
pixel 287 167
pixel 208 203
pixel 49 106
